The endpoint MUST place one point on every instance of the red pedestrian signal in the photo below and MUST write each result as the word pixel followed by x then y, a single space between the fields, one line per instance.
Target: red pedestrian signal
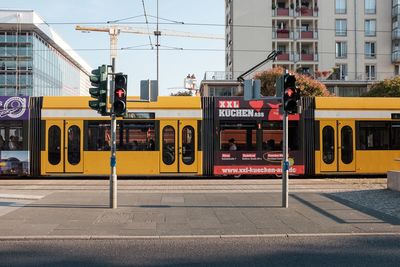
pixel 120 89
pixel 291 94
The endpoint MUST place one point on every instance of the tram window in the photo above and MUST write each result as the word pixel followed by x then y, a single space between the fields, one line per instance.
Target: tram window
pixel 2 140
pixel 244 135
pixel 395 136
pixel 54 145
pixel 373 135
pixel 168 141
pixel 328 144
pixel 347 144
pixel 74 145
pixel 273 135
pixel 99 136
pixel 11 136
pixel 136 136
pixel 131 136
pixel 188 151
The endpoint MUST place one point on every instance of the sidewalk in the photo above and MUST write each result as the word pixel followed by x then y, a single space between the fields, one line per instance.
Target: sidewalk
pixel 77 213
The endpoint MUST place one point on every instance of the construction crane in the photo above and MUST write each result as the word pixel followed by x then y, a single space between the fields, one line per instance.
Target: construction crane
pixel 115 30
pixel 135 30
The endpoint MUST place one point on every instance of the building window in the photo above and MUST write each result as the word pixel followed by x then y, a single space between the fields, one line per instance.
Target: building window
pixel 370 72
pixel 370 27
pixel 341 49
pixel 370 6
pixel 396 70
pixel 340 7
pixel 341 27
pixel 370 50
pixel 342 69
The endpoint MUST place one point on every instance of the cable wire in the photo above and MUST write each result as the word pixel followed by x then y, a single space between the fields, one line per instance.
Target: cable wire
pixel 147 23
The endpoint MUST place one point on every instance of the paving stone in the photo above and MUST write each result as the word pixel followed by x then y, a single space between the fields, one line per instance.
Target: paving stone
pixel 87 213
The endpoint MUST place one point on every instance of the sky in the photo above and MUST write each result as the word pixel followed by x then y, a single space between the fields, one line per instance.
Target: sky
pixel 139 62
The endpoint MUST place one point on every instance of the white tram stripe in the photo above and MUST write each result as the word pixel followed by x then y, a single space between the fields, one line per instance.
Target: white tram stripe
pixel 354 114
pixel 86 113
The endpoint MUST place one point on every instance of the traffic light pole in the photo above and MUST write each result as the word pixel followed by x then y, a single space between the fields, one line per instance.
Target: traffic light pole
pixel 285 163
pixel 113 159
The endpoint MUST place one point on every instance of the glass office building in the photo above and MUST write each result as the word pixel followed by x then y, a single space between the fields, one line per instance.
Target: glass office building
pixel 35 61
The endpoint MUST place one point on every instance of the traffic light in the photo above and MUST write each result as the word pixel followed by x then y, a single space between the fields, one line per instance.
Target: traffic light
pixel 291 94
pixel 120 89
pixel 99 82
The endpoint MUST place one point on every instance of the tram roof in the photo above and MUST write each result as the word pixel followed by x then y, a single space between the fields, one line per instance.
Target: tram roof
pixel 164 102
pixel 377 103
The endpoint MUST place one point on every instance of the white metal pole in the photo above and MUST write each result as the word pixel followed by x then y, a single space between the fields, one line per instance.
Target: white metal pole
pixel 113 159
pixel 285 163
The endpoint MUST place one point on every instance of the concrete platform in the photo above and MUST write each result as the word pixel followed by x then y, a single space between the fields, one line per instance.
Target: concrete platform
pixel 67 214
pixel 74 209
pixel 393 180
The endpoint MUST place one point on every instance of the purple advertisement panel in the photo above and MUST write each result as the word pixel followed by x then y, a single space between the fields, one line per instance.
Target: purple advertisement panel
pixel 14 108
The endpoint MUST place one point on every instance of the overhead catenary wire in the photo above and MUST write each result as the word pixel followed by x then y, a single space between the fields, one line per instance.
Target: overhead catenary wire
pixel 177 23
pixel 171 48
pixel 147 23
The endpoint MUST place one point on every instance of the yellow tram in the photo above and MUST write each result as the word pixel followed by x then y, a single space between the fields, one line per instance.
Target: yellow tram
pixel 155 138
pixel 191 136
pixel 357 135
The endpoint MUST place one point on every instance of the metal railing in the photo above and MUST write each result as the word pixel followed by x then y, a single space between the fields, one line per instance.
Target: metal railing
pixel 221 75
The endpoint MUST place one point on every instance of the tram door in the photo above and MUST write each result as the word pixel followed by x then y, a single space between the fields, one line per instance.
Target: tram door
pixel 64 146
pixel 337 146
pixel 178 149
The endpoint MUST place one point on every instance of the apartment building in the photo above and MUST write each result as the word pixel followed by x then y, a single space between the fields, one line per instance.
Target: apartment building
pixel 35 60
pixel 347 44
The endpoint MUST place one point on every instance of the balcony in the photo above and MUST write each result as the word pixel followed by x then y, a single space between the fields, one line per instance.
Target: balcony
pixel 396 11
pixel 283 57
pixel 396 57
pixel 282 34
pixel 282 12
pixel 396 34
pixel 306 11
pixel 308 35
pixel 307 57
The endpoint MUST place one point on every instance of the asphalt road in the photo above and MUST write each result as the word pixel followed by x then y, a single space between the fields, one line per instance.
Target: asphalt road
pixel 269 251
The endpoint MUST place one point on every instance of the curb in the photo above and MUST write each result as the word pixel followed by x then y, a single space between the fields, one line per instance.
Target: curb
pixel 31 238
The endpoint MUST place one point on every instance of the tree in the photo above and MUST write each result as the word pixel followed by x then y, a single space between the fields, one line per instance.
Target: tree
pixel 385 88
pixel 307 85
pixel 182 93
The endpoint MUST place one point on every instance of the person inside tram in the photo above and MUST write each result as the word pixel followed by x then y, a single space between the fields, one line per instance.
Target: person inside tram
pixel 270 144
pixel 232 145
pixel 152 145
pixel 135 145
pixel 2 142
pixel 12 144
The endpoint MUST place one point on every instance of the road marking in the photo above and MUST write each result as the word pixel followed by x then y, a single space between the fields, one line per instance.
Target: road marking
pixel 15 196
